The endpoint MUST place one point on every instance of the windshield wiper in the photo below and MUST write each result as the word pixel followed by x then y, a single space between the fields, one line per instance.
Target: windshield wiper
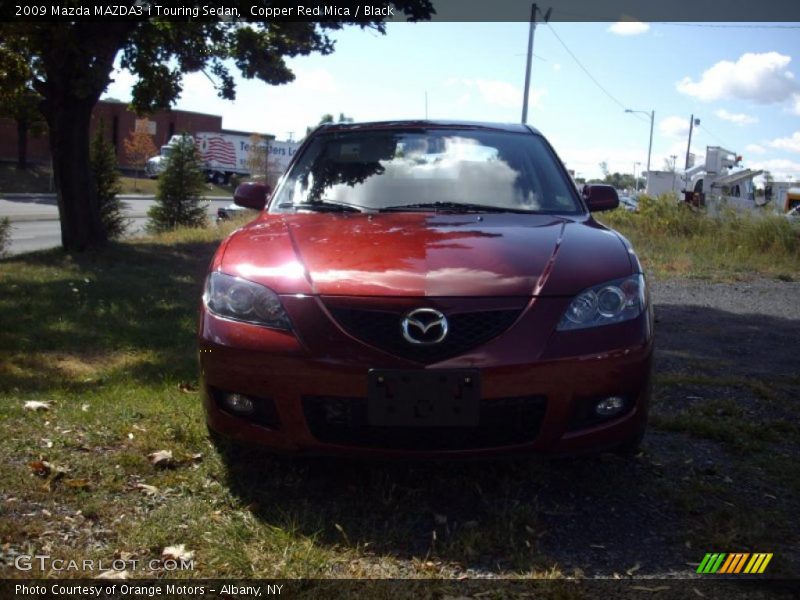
pixel 321 206
pixel 453 207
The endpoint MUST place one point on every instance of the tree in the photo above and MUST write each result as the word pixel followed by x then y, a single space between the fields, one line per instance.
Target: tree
pixel 72 62
pixel 5 235
pixel 256 161
pixel 18 100
pixel 103 162
pixel 139 147
pixel 179 202
pixel 328 118
pixel 604 168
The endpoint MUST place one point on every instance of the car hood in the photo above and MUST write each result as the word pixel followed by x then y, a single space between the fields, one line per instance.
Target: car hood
pixel 426 254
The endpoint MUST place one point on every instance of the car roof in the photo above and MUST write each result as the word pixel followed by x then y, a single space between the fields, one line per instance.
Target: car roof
pixel 427 124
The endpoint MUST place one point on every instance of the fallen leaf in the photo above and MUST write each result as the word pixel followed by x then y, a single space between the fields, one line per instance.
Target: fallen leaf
pixel 660 588
pixel 187 387
pixel 85 407
pixel 150 490
pixel 78 484
pixel 114 575
pixel 162 458
pixel 177 552
pixel 35 405
pixel 598 546
pixel 770 496
pixel 44 468
pixel 698 592
pixel 633 569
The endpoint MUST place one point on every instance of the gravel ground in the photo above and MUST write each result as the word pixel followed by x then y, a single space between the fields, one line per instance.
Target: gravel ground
pixel 761 297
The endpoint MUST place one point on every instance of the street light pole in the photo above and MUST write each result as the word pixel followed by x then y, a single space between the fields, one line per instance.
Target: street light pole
pixel 652 115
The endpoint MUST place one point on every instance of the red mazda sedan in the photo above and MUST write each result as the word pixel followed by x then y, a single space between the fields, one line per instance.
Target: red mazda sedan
pixel 425 287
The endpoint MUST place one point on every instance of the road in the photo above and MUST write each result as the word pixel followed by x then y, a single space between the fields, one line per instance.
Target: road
pixel 35 224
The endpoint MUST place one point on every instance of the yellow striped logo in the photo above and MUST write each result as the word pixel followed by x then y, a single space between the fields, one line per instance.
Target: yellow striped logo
pixel 734 563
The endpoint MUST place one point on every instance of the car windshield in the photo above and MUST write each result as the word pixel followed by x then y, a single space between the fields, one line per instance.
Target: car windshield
pixel 433 169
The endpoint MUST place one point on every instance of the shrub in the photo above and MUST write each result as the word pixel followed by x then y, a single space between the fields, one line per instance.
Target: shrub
pixel 103 163
pixel 179 201
pixel 5 235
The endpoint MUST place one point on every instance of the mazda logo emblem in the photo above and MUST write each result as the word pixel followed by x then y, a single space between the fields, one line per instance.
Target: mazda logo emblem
pixel 424 326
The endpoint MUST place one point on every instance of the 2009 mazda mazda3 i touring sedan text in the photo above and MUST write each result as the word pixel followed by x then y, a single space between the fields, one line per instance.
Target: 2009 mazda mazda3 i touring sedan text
pixel 426 288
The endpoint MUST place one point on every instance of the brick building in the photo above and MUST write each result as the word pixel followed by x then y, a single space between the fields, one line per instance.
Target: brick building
pixel 118 122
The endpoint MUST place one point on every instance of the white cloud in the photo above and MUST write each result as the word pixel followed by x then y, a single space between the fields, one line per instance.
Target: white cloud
pixel 755 149
pixel 502 93
pixel 780 168
pixel 787 143
pixel 760 78
pixel 629 28
pixel 737 118
pixel 796 101
pixel 674 126
pixel 586 160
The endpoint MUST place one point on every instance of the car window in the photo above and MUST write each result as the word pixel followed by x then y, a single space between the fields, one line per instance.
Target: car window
pixel 382 169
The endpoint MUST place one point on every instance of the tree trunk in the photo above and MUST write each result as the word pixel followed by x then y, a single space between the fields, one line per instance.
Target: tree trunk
pixel 22 144
pixel 81 227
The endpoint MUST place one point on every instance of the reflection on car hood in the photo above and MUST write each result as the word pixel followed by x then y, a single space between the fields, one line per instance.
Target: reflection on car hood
pixel 426 254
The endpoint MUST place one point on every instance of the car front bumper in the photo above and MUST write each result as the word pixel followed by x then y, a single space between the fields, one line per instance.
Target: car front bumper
pixel 546 395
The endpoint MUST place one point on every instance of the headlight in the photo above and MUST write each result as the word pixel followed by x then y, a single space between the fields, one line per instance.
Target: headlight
pixel 612 302
pixel 244 300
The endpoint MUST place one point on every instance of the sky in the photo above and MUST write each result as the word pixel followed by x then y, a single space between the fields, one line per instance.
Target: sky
pixel 742 80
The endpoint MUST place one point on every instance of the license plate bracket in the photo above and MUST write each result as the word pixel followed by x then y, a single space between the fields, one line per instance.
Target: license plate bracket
pixel 424 398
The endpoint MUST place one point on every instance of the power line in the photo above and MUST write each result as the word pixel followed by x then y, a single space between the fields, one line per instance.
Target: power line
pixel 720 140
pixel 597 83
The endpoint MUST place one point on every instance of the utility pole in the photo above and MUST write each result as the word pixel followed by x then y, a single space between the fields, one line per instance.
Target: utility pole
pixel 531 31
pixel 692 123
pixel 650 147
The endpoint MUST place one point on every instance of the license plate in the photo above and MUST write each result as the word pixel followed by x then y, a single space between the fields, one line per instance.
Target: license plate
pixel 424 398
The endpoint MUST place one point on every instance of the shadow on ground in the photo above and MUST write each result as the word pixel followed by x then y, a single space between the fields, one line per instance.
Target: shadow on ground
pixel 104 303
pixel 690 491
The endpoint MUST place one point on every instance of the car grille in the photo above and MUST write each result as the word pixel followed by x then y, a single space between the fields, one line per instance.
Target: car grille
pixel 503 422
pixel 382 329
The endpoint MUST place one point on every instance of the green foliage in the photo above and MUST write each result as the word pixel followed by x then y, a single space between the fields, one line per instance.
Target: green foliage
pixel 5 234
pixel 676 237
pixel 103 162
pixel 71 65
pixel 180 186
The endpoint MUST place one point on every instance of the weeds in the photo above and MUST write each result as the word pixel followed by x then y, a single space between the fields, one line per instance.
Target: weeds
pixel 673 238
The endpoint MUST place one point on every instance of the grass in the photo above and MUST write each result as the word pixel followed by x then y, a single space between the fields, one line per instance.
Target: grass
pixel 107 342
pixel 36 180
pixel 673 239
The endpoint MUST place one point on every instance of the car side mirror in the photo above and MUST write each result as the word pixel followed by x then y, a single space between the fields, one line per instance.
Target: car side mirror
pixel 252 194
pixel 600 197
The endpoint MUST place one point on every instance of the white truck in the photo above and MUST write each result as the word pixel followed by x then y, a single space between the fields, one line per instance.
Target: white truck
pixel 713 182
pixel 226 154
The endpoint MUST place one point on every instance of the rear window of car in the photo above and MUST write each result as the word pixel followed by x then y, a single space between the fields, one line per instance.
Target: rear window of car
pixel 379 169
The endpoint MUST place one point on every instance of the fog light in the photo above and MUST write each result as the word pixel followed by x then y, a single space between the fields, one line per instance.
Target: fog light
pixel 239 404
pixel 608 407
